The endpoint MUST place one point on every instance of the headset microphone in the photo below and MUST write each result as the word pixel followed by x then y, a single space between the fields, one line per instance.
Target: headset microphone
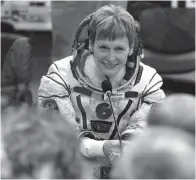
pixel 107 88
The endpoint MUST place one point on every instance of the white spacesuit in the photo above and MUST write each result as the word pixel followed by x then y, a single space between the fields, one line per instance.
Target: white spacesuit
pixel 89 111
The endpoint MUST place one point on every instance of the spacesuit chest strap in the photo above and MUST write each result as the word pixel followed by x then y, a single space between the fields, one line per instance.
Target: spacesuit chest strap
pixel 82 90
pixel 114 95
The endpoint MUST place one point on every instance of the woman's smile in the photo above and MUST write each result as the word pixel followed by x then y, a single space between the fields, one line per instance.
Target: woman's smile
pixel 109 66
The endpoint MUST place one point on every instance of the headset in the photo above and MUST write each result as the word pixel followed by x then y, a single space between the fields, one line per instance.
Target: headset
pixel 80 47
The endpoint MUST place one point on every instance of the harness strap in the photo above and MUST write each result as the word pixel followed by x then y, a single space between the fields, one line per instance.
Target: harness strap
pixel 139 75
pixel 82 90
pixel 89 93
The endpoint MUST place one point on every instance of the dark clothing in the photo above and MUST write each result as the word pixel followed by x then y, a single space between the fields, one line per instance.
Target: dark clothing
pixel 163 28
pixel 17 72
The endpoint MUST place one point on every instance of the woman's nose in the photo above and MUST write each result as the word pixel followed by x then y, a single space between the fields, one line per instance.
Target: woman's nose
pixel 111 56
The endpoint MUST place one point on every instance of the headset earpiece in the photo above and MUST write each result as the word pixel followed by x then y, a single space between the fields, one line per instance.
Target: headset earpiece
pixel 138 44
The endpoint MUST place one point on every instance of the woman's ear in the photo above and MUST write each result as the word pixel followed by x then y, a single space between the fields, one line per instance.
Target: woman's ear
pixel 131 49
pixel 130 52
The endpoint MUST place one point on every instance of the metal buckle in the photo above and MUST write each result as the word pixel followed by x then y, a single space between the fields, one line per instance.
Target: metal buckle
pixel 102 172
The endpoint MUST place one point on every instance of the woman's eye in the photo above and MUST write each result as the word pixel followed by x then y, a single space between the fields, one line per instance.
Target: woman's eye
pixel 103 47
pixel 119 49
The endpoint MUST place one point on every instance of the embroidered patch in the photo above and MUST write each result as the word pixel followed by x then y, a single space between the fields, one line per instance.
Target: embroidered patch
pixel 103 111
pixel 50 104
pixel 101 126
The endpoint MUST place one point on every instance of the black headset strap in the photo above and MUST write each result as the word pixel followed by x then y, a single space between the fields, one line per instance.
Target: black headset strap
pixel 80 27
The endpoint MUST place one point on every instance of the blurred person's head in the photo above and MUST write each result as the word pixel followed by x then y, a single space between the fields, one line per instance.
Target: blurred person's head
pixel 112 32
pixel 17 72
pixel 41 145
pixel 159 153
pixel 177 110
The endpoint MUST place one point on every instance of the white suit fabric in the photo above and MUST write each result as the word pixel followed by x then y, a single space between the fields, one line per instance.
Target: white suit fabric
pixel 90 112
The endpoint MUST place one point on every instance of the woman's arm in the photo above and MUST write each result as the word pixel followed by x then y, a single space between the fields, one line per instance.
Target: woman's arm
pixel 54 94
pixel 106 148
pixel 91 147
pixel 151 95
pixel 137 122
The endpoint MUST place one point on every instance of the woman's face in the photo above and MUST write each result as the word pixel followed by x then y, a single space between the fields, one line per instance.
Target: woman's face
pixel 111 56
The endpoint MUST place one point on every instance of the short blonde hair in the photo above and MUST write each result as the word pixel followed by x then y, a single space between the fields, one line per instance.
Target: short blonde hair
pixel 112 22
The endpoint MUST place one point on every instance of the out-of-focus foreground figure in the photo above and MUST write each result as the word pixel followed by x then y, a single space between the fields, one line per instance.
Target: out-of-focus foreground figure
pixel 17 73
pixel 177 110
pixel 40 145
pixel 159 153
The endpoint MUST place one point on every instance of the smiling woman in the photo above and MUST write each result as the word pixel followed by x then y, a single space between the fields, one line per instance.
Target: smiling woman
pixel 112 52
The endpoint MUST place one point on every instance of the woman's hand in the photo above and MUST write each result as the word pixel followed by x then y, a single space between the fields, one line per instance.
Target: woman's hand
pixel 112 149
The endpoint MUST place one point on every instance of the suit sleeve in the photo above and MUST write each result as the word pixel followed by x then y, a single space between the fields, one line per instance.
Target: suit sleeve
pixel 152 93
pixel 54 93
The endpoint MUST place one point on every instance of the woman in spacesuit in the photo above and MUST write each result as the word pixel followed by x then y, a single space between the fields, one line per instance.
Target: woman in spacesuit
pixel 73 86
